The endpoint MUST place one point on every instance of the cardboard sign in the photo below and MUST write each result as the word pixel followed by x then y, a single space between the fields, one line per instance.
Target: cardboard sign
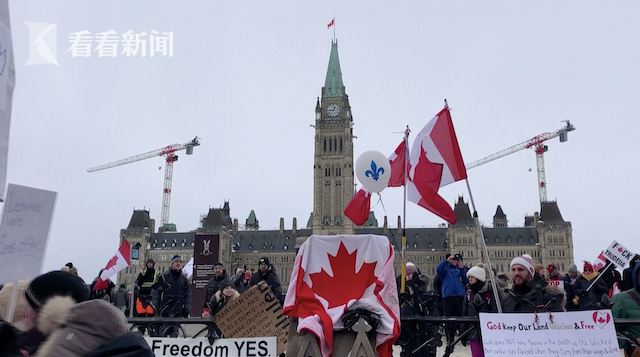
pixel 222 347
pixel 255 313
pixel 618 254
pixel 579 333
pixel 557 283
pixel 206 253
pixel 24 232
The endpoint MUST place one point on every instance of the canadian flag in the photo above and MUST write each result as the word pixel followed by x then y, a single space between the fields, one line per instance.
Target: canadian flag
pixel 118 262
pixel 358 208
pixel 335 273
pixel 333 22
pixel 600 262
pixel 435 161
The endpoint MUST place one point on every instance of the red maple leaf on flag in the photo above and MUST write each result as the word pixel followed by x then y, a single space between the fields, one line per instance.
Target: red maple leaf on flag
pixel 112 262
pixel 346 284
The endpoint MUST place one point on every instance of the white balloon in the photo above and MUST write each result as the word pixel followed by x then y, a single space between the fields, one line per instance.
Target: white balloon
pixel 373 170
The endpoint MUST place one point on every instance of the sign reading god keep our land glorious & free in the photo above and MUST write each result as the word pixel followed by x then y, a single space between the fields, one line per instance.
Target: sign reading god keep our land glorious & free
pixel 580 333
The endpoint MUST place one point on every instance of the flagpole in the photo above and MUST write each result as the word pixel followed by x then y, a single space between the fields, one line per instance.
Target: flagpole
pixel 494 286
pixel 404 211
pixel 334 29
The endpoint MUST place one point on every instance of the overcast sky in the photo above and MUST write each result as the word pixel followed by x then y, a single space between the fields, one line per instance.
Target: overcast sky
pixel 245 75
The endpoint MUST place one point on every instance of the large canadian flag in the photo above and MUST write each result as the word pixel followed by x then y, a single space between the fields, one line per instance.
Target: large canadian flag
pixel 118 262
pixel 358 208
pixel 335 273
pixel 435 161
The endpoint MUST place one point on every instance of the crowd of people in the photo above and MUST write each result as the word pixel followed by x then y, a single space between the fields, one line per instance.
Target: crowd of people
pixel 458 290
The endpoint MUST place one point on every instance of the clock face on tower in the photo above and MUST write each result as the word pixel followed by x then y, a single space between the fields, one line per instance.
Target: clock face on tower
pixel 333 110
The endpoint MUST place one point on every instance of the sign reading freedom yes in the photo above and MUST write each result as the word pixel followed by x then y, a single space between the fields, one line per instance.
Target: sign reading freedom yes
pixel 579 333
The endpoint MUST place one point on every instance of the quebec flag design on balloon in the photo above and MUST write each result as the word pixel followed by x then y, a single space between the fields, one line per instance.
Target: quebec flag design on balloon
pixel 373 170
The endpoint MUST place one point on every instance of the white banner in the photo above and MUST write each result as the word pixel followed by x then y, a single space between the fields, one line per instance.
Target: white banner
pixel 24 232
pixel 222 347
pixel 618 254
pixel 580 333
pixel 7 83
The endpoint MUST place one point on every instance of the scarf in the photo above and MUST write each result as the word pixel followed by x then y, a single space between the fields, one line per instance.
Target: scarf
pixel 590 276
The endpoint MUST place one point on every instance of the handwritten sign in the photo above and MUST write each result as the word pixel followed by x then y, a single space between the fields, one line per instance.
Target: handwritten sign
pixel 222 347
pixel 557 283
pixel 255 313
pixel 618 254
pixel 24 232
pixel 580 333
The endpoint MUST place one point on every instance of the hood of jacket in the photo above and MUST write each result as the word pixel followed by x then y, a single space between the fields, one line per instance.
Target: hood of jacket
pixel 130 344
pixel 77 329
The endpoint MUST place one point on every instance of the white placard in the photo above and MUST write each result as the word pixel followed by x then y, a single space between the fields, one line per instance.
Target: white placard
pixel 7 83
pixel 618 255
pixel 579 333
pixel 557 283
pixel 222 347
pixel 24 232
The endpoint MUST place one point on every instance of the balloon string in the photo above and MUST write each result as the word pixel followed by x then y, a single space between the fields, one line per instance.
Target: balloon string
pixel 381 203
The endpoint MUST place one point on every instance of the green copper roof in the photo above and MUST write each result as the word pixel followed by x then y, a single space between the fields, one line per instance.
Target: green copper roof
pixel 333 83
pixel 252 218
pixel 371 221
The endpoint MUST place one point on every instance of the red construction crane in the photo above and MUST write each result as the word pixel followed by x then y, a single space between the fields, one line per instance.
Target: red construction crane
pixel 537 143
pixel 170 157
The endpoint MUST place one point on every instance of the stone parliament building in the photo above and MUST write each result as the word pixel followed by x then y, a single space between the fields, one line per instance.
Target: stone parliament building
pixel 546 236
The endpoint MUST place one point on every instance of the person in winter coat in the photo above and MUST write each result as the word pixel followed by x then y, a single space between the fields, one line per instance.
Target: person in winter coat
pixel 40 291
pixel 102 293
pixel 121 298
pixel 218 301
pixel 219 274
pixel 591 299
pixel 413 283
pixel 479 298
pixel 75 331
pixel 241 280
pixel 145 281
pixel 553 273
pixel 529 292
pixel 627 305
pixel 569 281
pixel 610 275
pixel 6 294
pixel 171 295
pixel 454 278
pixel 627 273
pixel 266 272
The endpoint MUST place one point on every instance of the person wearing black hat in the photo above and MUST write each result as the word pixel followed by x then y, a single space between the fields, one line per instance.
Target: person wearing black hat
pixel 266 272
pixel 171 294
pixel 219 274
pixel 453 274
pixel 38 294
pixel 145 281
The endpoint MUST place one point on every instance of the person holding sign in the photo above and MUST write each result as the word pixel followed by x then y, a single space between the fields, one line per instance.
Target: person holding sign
pixel 529 292
pixel 627 305
pixel 589 299
pixel 479 298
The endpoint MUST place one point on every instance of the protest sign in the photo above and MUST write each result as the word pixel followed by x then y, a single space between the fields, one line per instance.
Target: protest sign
pixel 206 253
pixel 222 347
pixel 579 333
pixel 557 283
pixel 255 313
pixel 618 255
pixel 7 84
pixel 24 232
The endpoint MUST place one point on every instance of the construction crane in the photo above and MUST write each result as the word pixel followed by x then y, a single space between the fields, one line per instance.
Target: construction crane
pixel 537 143
pixel 170 157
